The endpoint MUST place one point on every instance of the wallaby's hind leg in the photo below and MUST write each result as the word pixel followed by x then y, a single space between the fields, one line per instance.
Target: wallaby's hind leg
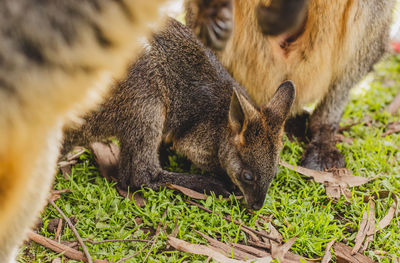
pixel 73 137
pixel 322 153
pixel 139 163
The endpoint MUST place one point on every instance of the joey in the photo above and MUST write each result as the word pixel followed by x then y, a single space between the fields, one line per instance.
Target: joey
pixel 177 92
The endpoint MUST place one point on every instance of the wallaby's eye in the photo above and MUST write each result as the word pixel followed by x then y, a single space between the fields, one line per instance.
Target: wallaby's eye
pixel 247 175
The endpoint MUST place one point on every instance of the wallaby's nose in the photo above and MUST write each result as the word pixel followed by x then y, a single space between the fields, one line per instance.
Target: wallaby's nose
pixel 257 206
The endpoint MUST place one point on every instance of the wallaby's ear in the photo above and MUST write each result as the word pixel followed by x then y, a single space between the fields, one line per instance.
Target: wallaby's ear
pixel 241 111
pixel 281 103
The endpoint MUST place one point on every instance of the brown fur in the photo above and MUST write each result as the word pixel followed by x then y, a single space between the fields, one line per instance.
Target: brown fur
pixel 179 93
pixel 338 45
pixel 211 21
pixel 276 17
pixel 56 58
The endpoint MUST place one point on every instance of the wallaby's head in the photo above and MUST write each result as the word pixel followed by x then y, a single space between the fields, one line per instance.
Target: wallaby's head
pixel 252 153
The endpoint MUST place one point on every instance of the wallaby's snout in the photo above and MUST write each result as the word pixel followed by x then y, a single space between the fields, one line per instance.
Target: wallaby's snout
pixel 257 142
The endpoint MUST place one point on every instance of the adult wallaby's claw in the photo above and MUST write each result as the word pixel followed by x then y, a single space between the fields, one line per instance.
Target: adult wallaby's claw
pixel 213 22
pixel 281 16
pixel 322 156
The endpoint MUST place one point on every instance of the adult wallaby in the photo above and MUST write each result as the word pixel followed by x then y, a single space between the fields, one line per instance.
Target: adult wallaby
pixel 178 92
pixel 56 59
pixel 328 52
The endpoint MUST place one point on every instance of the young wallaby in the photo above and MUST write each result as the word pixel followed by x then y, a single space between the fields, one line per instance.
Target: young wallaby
pixel 56 59
pixel 178 92
pixel 334 46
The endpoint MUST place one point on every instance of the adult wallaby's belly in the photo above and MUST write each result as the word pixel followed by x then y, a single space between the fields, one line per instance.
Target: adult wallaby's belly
pixel 313 58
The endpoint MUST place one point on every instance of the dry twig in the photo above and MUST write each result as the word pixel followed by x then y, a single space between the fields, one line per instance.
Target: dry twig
pixel 218 245
pixel 56 194
pixel 131 256
pixel 60 248
pixel 208 251
pixel 328 256
pixel 157 234
pixel 233 221
pixel 115 240
pixel 59 228
pixel 392 128
pixel 336 181
pixel 394 106
pixel 248 249
pixel 279 252
pixel 78 237
pixel 343 254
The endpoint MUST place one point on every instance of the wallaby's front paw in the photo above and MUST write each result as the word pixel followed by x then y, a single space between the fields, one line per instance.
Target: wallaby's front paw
pixel 196 182
pixel 214 185
pixel 213 25
pixel 321 156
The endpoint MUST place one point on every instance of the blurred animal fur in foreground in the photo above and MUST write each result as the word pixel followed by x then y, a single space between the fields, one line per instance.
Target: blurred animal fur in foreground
pixel 324 47
pixel 56 59
pixel 179 93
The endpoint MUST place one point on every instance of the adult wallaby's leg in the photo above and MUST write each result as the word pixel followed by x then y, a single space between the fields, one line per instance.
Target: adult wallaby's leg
pixel 322 152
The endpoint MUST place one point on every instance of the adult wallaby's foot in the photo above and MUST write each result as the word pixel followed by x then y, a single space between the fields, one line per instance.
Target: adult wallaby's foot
pixel 322 153
pixel 211 20
pixel 297 127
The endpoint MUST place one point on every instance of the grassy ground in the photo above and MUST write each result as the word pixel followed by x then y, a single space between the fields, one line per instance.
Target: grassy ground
pixel 299 207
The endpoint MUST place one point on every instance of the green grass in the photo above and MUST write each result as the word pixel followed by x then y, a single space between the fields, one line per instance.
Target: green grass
pixel 299 207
